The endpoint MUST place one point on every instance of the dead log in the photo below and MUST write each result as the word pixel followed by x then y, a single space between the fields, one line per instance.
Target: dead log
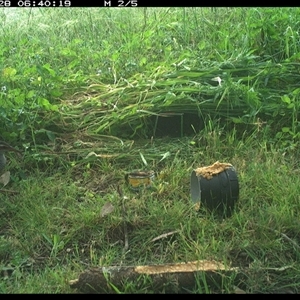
pixel 167 278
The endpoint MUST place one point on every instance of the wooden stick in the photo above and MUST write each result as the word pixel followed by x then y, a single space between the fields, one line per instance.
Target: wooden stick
pixel 169 278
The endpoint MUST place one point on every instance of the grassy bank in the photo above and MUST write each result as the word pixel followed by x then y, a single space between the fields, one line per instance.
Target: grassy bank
pixel 81 90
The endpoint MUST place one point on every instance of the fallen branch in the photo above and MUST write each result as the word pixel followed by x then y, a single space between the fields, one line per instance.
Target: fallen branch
pixel 124 198
pixel 281 269
pixel 169 278
pixel 126 243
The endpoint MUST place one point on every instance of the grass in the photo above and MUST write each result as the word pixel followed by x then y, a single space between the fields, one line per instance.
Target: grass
pixel 78 97
pixel 52 228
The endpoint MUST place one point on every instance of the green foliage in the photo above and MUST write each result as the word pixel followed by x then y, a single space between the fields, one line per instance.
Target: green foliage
pixel 274 34
pixel 73 82
pixel 135 65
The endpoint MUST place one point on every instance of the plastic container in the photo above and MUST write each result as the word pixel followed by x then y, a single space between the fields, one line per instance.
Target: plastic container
pixel 139 179
pixel 217 190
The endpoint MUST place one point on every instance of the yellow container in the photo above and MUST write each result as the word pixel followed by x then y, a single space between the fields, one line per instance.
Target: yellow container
pixel 138 179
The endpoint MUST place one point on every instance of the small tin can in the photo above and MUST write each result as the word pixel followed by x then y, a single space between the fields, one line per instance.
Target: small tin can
pixel 138 179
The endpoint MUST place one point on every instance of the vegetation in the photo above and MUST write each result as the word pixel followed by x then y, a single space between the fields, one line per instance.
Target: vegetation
pixel 81 93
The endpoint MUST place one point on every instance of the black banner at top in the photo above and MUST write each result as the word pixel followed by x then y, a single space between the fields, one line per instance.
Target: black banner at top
pixel 92 3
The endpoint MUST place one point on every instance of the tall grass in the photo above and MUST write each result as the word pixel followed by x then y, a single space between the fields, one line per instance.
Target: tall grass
pixel 147 61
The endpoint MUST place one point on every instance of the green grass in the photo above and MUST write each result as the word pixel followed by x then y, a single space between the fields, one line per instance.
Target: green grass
pixel 78 88
pixel 52 228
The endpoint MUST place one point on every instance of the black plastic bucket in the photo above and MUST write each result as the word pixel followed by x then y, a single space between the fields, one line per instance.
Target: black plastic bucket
pixel 218 193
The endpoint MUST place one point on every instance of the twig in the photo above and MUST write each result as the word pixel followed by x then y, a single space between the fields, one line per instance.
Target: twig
pixel 281 269
pixel 164 235
pixel 126 244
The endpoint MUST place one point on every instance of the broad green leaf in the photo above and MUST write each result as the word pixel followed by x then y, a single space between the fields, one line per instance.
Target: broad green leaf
pixel 30 94
pixel 73 63
pixel 9 72
pixel 56 93
pixel 201 45
pixel 49 69
pixel 286 99
pixel 296 91
pixel 46 104
pixel 143 61
pixel 237 120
